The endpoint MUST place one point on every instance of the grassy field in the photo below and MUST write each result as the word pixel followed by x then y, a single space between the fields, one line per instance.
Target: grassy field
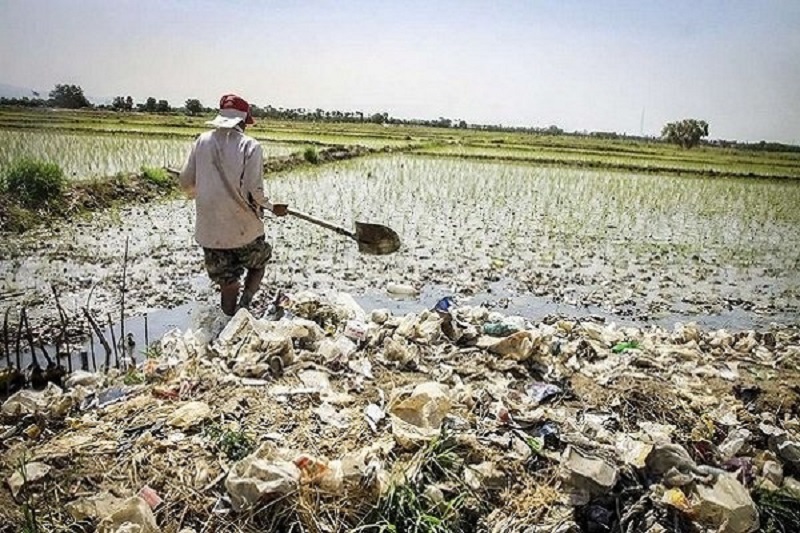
pixel 563 150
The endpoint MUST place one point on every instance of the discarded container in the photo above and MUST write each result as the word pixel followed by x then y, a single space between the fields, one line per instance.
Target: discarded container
pixel 540 392
pixel 33 472
pixel 150 496
pixel 419 417
pixel 133 511
pixel 726 505
pixel 444 305
pixel 400 289
pixel 189 415
pixel 380 316
pixel 31 402
pixel 400 352
pixel 677 499
pixel 93 507
pixel 733 443
pixel 517 347
pixel 588 475
pixel 499 329
pixel 82 378
pixel 374 415
pixel 623 347
pixel 356 330
pixel 336 351
pixel 260 477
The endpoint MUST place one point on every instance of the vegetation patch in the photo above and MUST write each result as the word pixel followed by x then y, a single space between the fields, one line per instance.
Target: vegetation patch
pixel 33 192
pixel 30 183
pixel 157 176
pixel 431 497
pixel 310 154
pixel 779 510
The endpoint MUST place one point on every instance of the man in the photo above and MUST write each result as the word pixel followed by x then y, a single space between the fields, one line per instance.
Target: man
pixel 225 176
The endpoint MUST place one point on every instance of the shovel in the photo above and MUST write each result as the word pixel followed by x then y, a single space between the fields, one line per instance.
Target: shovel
pixel 373 239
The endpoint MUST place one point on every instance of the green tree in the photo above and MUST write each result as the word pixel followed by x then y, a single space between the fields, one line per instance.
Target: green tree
pixel 163 107
pixel 68 96
pixel 686 133
pixel 118 104
pixel 193 106
pixel 150 104
pixel 122 103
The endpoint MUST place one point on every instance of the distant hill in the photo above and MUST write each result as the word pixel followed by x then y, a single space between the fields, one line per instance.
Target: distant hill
pixel 12 91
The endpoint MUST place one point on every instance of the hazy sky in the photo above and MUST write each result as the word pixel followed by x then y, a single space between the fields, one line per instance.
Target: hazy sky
pixel 593 65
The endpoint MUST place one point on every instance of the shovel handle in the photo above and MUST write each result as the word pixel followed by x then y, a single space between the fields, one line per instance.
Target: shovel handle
pixel 319 222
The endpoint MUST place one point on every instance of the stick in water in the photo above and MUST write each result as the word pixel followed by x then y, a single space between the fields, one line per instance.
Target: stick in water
pixel 64 336
pixel 91 347
pixel 113 341
pixel 19 344
pixel 29 337
pixel 122 295
pixel 146 334
pixel 6 344
pixel 100 336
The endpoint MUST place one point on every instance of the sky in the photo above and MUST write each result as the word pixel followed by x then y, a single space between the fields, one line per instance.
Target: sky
pixel 594 65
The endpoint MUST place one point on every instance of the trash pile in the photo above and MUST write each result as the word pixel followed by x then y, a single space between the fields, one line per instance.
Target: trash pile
pixel 322 417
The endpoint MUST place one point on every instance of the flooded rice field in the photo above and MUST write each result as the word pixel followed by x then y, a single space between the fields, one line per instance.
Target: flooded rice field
pixel 87 156
pixel 528 240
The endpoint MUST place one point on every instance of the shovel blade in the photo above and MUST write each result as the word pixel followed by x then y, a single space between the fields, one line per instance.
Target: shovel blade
pixel 376 239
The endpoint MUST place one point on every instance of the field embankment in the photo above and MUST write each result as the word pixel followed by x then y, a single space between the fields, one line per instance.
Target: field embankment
pixel 19 213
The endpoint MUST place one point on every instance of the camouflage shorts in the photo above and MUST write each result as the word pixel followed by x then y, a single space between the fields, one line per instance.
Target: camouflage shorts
pixel 227 266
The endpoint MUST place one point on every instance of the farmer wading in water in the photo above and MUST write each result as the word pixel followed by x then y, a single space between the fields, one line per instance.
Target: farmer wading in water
pixel 225 176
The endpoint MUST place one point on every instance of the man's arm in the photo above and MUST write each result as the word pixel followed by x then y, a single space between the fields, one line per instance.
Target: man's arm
pixel 253 178
pixel 253 183
pixel 188 175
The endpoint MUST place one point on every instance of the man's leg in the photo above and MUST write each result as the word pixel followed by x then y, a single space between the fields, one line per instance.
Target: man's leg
pixel 255 257
pixel 229 294
pixel 223 270
pixel 252 282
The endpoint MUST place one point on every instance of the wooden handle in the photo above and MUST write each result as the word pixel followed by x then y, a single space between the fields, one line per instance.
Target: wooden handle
pixel 319 222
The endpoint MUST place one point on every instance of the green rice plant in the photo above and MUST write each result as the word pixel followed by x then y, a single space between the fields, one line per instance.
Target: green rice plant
pixel 623 347
pixel 133 377
pixel 310 154
pixel 404 508
pixel 33 183
pixel 235 444
pixel 153 351
pixel 779 510
pixel 407 506
pixel 31 522
pixel 158 177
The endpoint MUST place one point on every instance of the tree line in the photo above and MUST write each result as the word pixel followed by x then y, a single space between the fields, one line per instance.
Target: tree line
pixel 686 133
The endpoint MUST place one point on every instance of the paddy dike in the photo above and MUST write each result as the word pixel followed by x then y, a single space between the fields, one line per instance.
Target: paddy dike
pixel 88 195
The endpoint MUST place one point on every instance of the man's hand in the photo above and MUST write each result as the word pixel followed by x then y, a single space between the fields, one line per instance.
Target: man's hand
pixel 279 210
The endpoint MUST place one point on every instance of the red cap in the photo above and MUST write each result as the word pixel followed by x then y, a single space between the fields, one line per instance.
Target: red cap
pixel 232 101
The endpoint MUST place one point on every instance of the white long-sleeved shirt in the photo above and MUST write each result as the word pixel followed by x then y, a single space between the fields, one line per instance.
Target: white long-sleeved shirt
pixel 229 203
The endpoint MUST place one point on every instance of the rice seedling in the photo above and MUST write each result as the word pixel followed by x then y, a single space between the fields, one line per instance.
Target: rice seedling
pixel 98 155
